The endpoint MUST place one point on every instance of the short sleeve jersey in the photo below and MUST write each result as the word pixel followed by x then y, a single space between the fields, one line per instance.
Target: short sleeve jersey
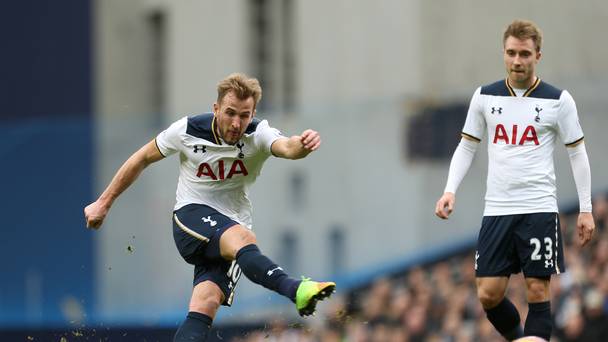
pixel 212 172
pixel 522 132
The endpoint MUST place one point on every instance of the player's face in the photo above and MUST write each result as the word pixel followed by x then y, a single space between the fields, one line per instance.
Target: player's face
pixel 233 116
pixel 520 59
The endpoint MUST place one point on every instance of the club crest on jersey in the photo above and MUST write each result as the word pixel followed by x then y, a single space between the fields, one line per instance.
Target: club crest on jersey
pixel 501 135
pixel 237 168
pixel 240 146
pixel 496 110
pixel 538 110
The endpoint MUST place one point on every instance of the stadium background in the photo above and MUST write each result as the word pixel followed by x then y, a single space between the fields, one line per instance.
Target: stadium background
pixel 85 83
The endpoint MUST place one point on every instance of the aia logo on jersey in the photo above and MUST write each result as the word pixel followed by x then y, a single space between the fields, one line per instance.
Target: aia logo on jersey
pixel 237 168
pixel 501 135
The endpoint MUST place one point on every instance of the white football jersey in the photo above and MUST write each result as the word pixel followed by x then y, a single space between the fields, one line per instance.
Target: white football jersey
pixel 522 132
pixel 212 172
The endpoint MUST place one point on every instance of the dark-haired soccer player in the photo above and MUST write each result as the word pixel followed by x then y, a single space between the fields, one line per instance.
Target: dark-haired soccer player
pixel 522 117
pixel 221 154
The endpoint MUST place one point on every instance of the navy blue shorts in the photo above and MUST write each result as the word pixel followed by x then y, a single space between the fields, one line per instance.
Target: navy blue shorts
pixel 197 229
pixel 531 243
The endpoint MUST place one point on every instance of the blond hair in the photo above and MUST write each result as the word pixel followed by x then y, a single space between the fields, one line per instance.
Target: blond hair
pixel 242 86
pixel 524 29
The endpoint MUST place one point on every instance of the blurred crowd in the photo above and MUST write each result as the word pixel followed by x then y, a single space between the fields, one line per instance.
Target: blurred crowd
pixel 438 302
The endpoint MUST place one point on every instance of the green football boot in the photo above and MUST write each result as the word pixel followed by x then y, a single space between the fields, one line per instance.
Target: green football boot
pixel 310 292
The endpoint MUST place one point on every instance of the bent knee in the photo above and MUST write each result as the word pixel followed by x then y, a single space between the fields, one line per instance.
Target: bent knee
pixel 234 239
pixel 206 298
pixel 239 235
pixel 248 237
pixel 538 291
pixel 489 298
pixel 207 305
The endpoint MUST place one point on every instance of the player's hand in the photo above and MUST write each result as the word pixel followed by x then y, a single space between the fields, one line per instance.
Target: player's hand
pixel 95 213
pixel 311 140
pixel 585 227
pixel 445 205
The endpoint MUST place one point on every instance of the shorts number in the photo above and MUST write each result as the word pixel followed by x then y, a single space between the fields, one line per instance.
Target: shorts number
pixel 234 273
pixel 548 248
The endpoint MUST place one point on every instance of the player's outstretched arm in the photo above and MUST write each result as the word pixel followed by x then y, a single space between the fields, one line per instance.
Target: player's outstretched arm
pixel 96 212
pixel 297 146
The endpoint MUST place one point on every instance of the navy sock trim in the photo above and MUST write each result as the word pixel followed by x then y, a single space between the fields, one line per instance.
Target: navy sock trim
pixel 538 322
pixel 247 248
pixel 263 271
pixel 505 318
pixel 539 307
pixel 201 317
pixel 194 328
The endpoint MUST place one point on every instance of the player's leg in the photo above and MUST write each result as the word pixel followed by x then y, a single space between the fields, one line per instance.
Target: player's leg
pixel 239 243
pixel 538 322
pixel 540 249
pixel 495 261
pixel 194 226
pixel 206 300
pixel 500 311
pixel 491 290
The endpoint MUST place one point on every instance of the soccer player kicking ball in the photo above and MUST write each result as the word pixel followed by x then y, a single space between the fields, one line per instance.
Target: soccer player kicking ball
pixel 522 117
pixel 221 154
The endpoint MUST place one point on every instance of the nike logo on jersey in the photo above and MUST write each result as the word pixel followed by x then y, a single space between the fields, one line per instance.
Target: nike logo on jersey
pixel 237 168
pixel 209 220
pixel 501 135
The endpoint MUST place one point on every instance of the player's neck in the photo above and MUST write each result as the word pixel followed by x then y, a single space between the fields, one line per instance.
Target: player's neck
pixel 524 84
pixel 217 131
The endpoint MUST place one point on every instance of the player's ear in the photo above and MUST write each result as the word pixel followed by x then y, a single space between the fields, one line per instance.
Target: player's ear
pixel 538 55
pixel 216 108
pixel 253 115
